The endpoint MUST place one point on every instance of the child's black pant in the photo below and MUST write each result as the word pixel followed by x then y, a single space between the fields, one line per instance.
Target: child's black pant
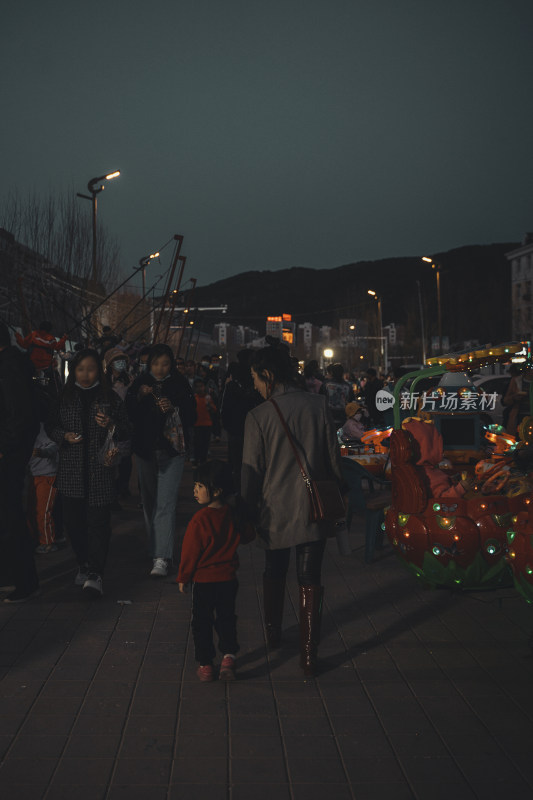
pixel 213 606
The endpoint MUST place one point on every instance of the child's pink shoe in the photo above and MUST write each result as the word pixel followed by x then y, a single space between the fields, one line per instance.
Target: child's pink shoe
pixel 227 669
pixel 205 673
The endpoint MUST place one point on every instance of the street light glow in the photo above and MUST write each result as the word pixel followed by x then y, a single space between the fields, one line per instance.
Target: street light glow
pixel 328 353
pixel 112 175
pixel 372 293
pixel 429 260
pixel 154 255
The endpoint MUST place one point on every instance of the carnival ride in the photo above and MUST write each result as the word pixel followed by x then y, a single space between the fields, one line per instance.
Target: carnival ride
pixel 474 539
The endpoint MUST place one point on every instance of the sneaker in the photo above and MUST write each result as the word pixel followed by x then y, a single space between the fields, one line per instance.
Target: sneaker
pixel 93 585
pixel 205 673
pixel 160 568
pixel 227 669
pixel 46 548
pixel 81 577
pixel 20 596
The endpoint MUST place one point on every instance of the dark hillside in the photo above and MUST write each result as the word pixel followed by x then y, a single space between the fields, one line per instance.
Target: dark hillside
pixel 475 293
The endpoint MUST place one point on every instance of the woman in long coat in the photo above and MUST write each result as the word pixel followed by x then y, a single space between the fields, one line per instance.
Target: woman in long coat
pixel 79 424
pixel 274 490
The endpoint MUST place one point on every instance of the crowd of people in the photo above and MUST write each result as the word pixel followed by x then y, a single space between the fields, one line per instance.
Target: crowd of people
pixel 73 426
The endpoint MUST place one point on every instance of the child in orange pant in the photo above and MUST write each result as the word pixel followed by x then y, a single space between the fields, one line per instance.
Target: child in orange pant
pixel 42 492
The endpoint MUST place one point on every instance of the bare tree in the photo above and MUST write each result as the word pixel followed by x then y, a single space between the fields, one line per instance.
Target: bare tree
pixel 46 246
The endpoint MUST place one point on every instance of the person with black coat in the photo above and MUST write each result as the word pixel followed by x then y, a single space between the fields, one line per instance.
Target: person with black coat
pixel 151 401
pixel 19 425
pixel 87 423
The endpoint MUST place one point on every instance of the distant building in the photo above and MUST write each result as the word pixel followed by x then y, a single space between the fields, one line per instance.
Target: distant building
pixel 274 326
pixel 282 327
pixel 521 287
pixel 227 335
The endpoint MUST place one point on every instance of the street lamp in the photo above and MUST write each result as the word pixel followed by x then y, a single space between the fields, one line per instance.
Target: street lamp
pixel 143 263
pixel 380 326
pixel 95 188
pixel 436 267
pixel 328 353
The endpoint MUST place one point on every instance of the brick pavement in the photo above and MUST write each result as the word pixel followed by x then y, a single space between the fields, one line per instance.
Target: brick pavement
pixel 422 694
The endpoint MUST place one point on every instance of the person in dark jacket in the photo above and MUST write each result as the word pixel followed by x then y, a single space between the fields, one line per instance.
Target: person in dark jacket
pixel 238 399
pixel 151 401
pixel 86 411
pixel 19 425
pixel 339 392
pixel 372 387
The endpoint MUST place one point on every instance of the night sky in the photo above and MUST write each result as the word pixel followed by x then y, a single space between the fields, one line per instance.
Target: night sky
pixel 277 133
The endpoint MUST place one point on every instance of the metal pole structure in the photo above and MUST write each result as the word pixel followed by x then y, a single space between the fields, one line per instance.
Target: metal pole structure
pixel 421 323
pixel 95 189
pixel 185 314
pixel 175 295
pixel 191 328
pixel 179 240
pixel 90 314
pixel 439 308
pixel 95 266
pixel 380 322
pixel 197 339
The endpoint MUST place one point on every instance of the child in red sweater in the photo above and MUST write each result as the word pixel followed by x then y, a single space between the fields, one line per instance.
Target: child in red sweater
pixel 209 560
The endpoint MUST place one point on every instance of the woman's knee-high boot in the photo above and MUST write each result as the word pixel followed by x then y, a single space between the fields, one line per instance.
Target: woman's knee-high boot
pixel 311 598
pixel 273 599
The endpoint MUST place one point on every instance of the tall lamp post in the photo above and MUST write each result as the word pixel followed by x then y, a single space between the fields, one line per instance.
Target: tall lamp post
pixel 436 267
pixel 380 324
pixel 95 186
pixel 143 263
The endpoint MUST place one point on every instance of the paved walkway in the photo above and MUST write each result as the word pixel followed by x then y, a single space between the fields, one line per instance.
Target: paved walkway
pixel 422 694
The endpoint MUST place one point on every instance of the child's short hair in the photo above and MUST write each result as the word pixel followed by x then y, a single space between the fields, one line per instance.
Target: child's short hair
pixel 215 475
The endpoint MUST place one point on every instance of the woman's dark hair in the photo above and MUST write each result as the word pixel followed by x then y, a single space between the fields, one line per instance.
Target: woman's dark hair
pixel 215 475
pixel 310 369
pixel 275 359
pixel 159 350
pixel 68 390
pixel 337 372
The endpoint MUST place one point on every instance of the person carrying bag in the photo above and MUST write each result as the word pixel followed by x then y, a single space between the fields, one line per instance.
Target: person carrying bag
pixel 278 496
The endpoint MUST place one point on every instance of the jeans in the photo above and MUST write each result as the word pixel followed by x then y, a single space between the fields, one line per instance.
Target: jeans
pixel 160 479
pixel 308 563
pixel 89 531
pixel 209 599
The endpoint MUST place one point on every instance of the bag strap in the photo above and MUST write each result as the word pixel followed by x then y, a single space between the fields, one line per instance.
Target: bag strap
pixel 305 476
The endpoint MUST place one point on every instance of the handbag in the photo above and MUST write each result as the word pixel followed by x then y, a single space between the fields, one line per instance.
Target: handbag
pixel 326 503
